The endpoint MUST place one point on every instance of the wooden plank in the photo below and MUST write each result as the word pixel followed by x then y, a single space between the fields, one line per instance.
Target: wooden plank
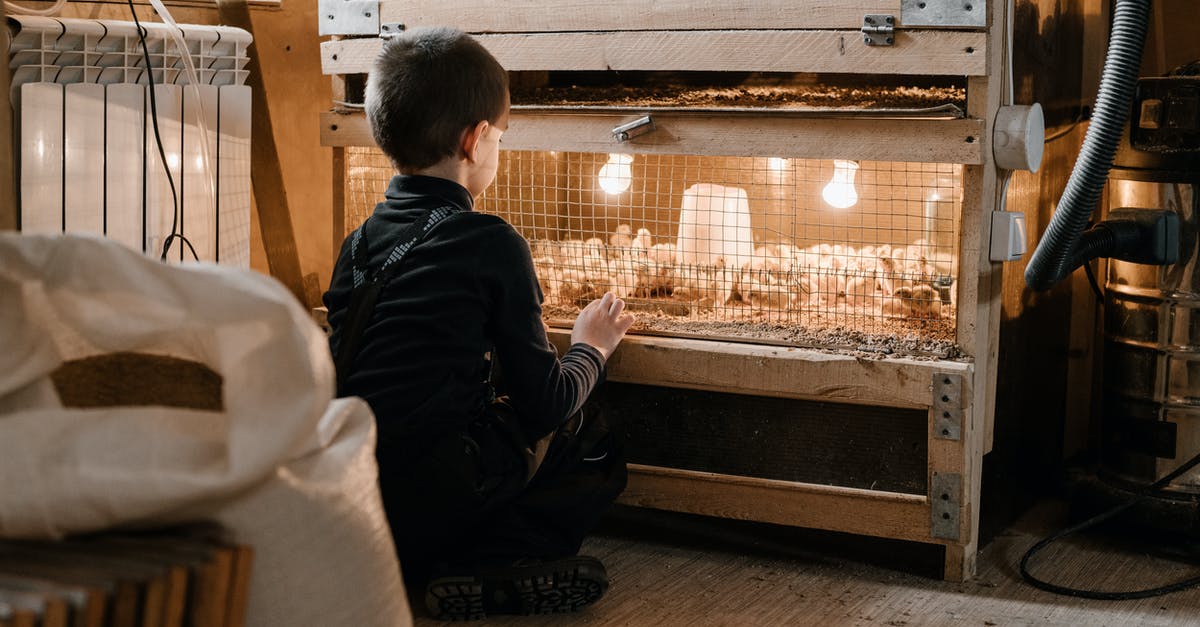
pixel 920 52
pixel 769 134
pixel 867 512
pixel 270 194
pixel 772 370
pixel 531 16
pixel 8 180
pixel 979 299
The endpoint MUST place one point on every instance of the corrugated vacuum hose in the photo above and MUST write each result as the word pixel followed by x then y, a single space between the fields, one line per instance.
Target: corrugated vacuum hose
pixel 1057 254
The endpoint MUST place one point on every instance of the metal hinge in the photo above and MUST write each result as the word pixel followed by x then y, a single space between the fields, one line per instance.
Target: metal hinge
pixel 391 29
pixel 945 494
pixel 348 17
pixel 944 13
pixel 879 30
pixel 947 406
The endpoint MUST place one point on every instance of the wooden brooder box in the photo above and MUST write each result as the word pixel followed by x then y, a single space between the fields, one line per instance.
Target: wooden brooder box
pixel 781 428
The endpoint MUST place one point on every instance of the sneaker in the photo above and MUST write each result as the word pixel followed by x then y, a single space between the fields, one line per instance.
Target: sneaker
pixel 524 587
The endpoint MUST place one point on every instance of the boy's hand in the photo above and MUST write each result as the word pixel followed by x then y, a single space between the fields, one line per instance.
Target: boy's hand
pixel 602 324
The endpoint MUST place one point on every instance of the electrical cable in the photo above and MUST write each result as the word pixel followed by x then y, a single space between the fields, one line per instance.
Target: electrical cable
pixel 1092 522
pixel 193 77
pixel 162 153
pixel 1091 277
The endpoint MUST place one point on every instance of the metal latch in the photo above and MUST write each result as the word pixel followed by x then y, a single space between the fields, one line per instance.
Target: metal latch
pixel 879 30
pixel 640 126
pixel 390 29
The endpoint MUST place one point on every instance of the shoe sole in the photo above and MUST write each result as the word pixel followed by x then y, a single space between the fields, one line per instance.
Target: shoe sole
pixel 529 590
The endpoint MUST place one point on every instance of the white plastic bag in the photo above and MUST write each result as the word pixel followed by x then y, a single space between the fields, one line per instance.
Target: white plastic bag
pixel 286 468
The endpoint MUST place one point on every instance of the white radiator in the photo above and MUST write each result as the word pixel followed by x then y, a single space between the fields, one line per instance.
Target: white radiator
pixel 88 159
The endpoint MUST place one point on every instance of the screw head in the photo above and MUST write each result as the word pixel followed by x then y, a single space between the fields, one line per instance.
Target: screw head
pixel 890 40
pixel 890 19
pixel 867 40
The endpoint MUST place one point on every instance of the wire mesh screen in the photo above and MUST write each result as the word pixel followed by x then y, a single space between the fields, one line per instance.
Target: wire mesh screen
pixel 838 254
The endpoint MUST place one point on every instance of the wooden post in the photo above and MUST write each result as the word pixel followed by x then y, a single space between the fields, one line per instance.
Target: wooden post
pixel 8 180
pixel 339 200
pixel 270 195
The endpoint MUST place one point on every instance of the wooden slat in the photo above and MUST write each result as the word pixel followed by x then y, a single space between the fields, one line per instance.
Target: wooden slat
pixel 270 194
pixel 766 135
pixel 867 512
pixel 915 52
pixel 771 370
pixel 529 16
pixel 979 301
pixel 8 181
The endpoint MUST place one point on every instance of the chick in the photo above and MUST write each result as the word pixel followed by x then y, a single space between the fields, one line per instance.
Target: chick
pixel 924 303
pixel 622 237
pixel 919 301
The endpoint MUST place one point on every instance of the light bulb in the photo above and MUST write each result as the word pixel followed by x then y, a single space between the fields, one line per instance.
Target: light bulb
pixel 616 176
pixel 840 192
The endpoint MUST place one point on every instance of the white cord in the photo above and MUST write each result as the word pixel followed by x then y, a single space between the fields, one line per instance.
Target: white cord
pixel 194 85
pixel 17 9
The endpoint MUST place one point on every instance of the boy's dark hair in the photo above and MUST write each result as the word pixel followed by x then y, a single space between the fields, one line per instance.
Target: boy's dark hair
pixel 428 85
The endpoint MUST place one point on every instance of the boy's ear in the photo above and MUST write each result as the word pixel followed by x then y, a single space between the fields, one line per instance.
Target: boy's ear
pixel 471 137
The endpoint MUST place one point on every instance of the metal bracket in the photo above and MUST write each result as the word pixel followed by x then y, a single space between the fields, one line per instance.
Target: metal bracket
pixel 640 126
pixel 348 17
pixel 947 406
pixel 948 13
pixel 879 30
pixel 390 29
pixel 945 495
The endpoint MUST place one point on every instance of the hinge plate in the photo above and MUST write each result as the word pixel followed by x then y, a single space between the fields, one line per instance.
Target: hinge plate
pixel 390 29
pixel 946 13
pixel 947 406
pixel 348 17
pixel 879 30
pixel 945 495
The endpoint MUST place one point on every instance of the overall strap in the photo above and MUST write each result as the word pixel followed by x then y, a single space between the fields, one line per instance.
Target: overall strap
pixel 368 284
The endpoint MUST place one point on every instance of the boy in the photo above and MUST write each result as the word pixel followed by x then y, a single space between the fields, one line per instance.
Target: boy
pixel 488 499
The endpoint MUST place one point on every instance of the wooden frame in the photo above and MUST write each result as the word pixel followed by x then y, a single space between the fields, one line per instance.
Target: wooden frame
pixel 920 52
pixel 802 374
pixel 918 140
pixel 673 35
pixel 530 16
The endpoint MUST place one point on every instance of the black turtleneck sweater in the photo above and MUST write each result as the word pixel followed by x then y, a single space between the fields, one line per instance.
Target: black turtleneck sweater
pixel 469 287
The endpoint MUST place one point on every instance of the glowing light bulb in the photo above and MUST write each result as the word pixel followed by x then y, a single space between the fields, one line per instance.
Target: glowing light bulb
pixel 173 160
pixel 616 176
pixel 840 192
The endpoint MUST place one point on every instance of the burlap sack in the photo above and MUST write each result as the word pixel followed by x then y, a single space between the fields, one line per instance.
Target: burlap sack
pixel 286 468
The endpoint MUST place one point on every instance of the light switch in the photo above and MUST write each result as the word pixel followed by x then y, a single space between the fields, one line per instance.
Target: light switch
pixel 1008 236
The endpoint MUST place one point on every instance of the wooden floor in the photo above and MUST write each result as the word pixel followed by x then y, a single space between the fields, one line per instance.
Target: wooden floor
pixel 670 569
